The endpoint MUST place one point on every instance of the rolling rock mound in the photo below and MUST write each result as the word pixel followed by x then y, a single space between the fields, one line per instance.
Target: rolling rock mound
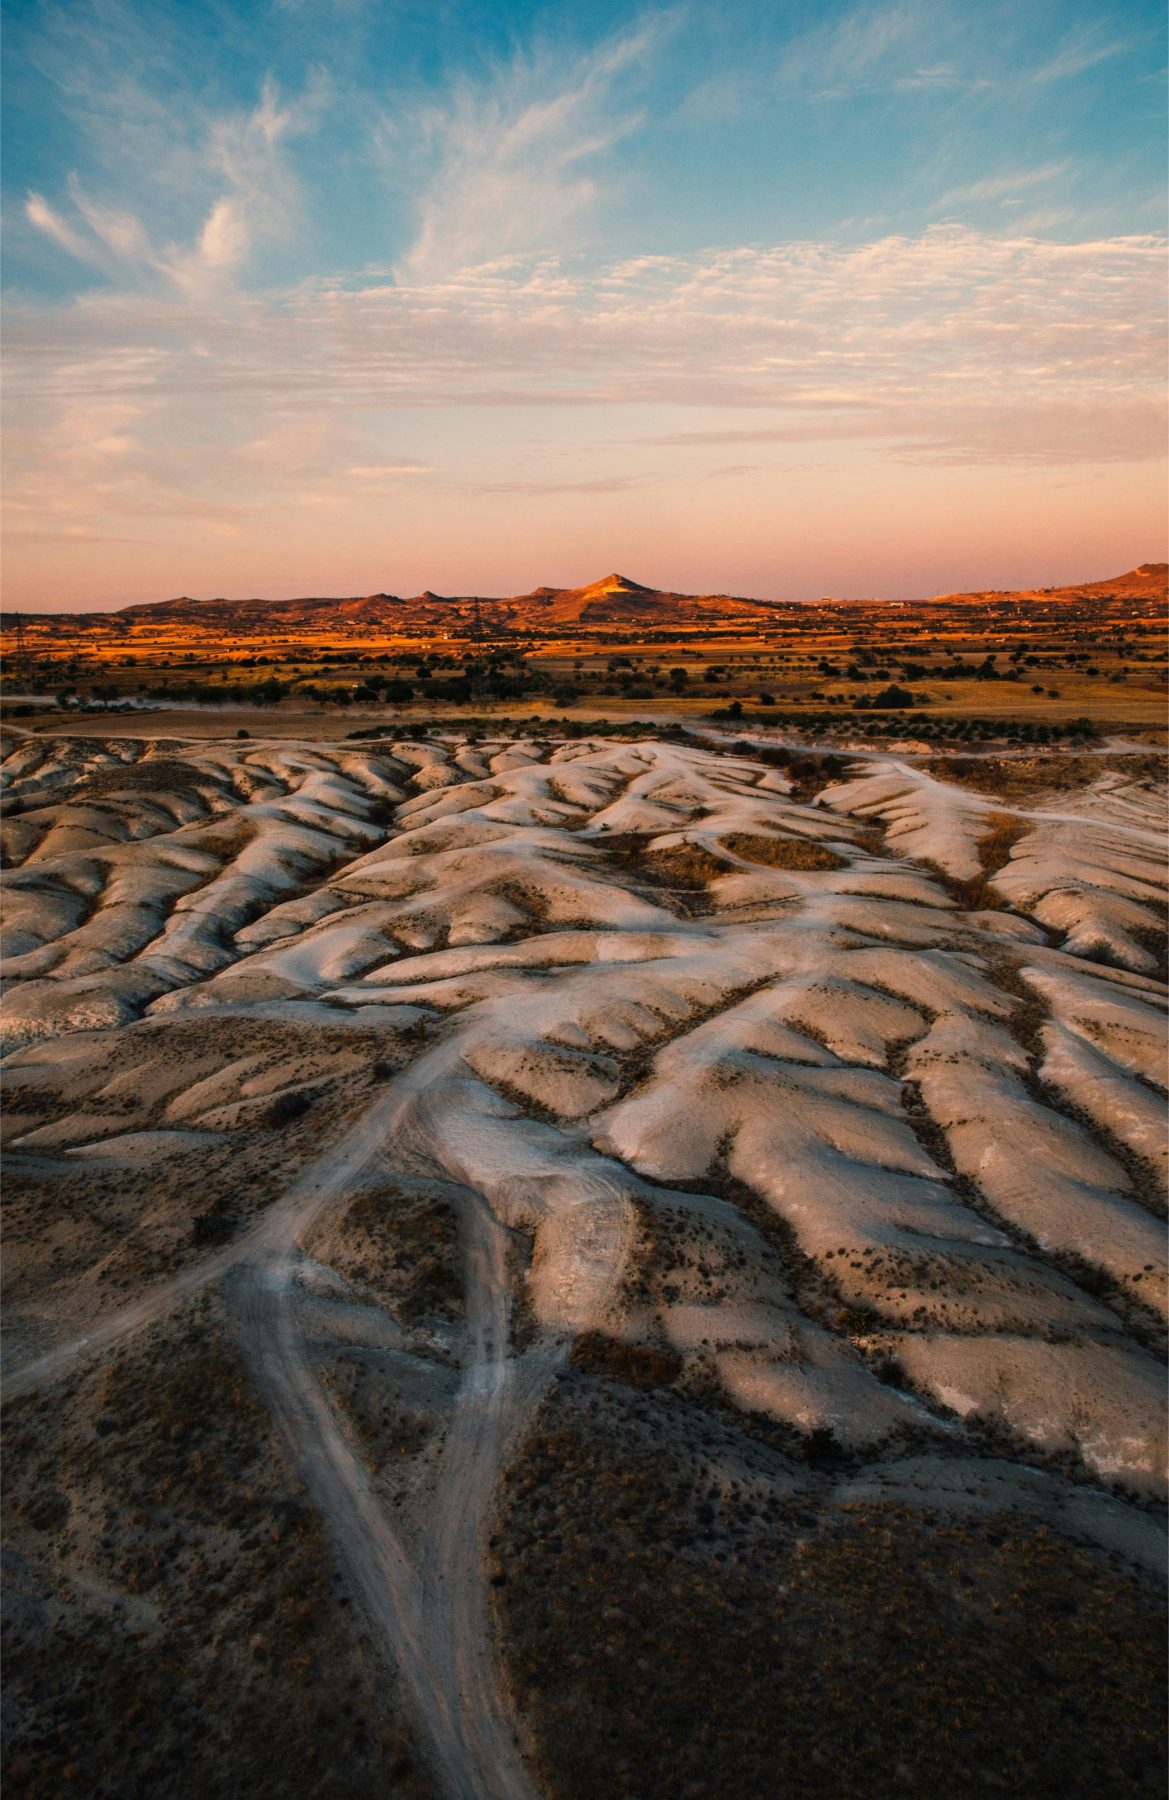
pixel 613 600
pixel 562 1156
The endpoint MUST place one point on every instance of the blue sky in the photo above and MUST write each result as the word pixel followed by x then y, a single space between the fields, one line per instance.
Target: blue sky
pixel 334 294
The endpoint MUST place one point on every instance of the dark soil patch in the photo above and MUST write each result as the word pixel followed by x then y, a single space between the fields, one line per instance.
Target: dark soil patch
pixel 675 1625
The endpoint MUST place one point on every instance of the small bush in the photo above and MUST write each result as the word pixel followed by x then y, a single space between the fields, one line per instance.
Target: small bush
pixel 889 1370
pixel 823 1449
pixel 215 1226
pixel 286 1107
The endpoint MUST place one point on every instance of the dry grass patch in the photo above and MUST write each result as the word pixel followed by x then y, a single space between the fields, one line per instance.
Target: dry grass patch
pixel 227 837
pixel 977 893
pixel 690 865
pixel 399 1249
pixel 635 1365
pixel 1003 832
pixel 684 868
pixel 784 853
pixel 150 775
pixel 1019 777
pixel 685 862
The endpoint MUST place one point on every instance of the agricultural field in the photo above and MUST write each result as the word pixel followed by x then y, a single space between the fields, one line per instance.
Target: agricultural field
pixel 1038 667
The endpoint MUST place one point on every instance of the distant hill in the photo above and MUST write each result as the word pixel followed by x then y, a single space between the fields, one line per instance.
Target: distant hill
pixel 1149 581
pixel 615 599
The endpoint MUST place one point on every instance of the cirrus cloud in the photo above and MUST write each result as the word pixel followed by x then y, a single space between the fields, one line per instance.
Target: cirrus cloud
pixel 947 347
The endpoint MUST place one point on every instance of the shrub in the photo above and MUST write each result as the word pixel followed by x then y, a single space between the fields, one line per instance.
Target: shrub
pixel 290 1105
pixel 823 1449
pixel 214 1226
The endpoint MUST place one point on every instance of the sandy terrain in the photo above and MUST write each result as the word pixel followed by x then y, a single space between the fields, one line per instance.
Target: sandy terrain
pixel 448 1093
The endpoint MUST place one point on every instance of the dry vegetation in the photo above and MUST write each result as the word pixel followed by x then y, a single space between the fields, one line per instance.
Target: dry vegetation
pixel 680 1615
pixel 1022 777
pixel 784 853
pixel 174 1622
pixel 399 1249
pixel 1024 669
pixel 999 834
pixel 685 870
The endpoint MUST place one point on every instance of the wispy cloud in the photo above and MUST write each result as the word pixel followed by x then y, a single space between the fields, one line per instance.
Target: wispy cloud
pixel 1080 51
pixel 383 471
pixel 47 219
pixel 924 46
pixel 995 433
pixel 509 165
pixel 951 346
pixel 882 46
pixel 1005 188
pixel 536 490
pixel 239 160
pixel 72 534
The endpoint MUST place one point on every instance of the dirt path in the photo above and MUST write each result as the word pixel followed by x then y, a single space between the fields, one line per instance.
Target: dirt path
pixel 420 1572
pixel 316 1185
pixel 433 1625
pixel 152 1305
pixel 430 1613
pixel 495 1398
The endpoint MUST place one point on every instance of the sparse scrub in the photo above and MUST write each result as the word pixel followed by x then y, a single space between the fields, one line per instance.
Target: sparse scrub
pixel 181 1510
pixel 653 1094
pixel 785 852
pixel 400 1249
pixel 852 1654
pixel 684 868
pixel 636 1365
pixel 286 1107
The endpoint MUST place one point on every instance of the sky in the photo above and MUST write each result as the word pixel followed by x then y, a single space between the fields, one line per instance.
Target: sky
pixel 351 296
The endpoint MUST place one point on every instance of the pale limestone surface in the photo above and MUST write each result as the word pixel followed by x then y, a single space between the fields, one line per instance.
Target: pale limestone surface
pixel 922 1148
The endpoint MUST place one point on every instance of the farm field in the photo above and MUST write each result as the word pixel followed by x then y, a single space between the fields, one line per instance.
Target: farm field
pixel 1019 668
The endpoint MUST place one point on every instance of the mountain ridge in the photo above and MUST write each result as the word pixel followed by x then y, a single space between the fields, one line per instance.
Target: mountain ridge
pixel 613 599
